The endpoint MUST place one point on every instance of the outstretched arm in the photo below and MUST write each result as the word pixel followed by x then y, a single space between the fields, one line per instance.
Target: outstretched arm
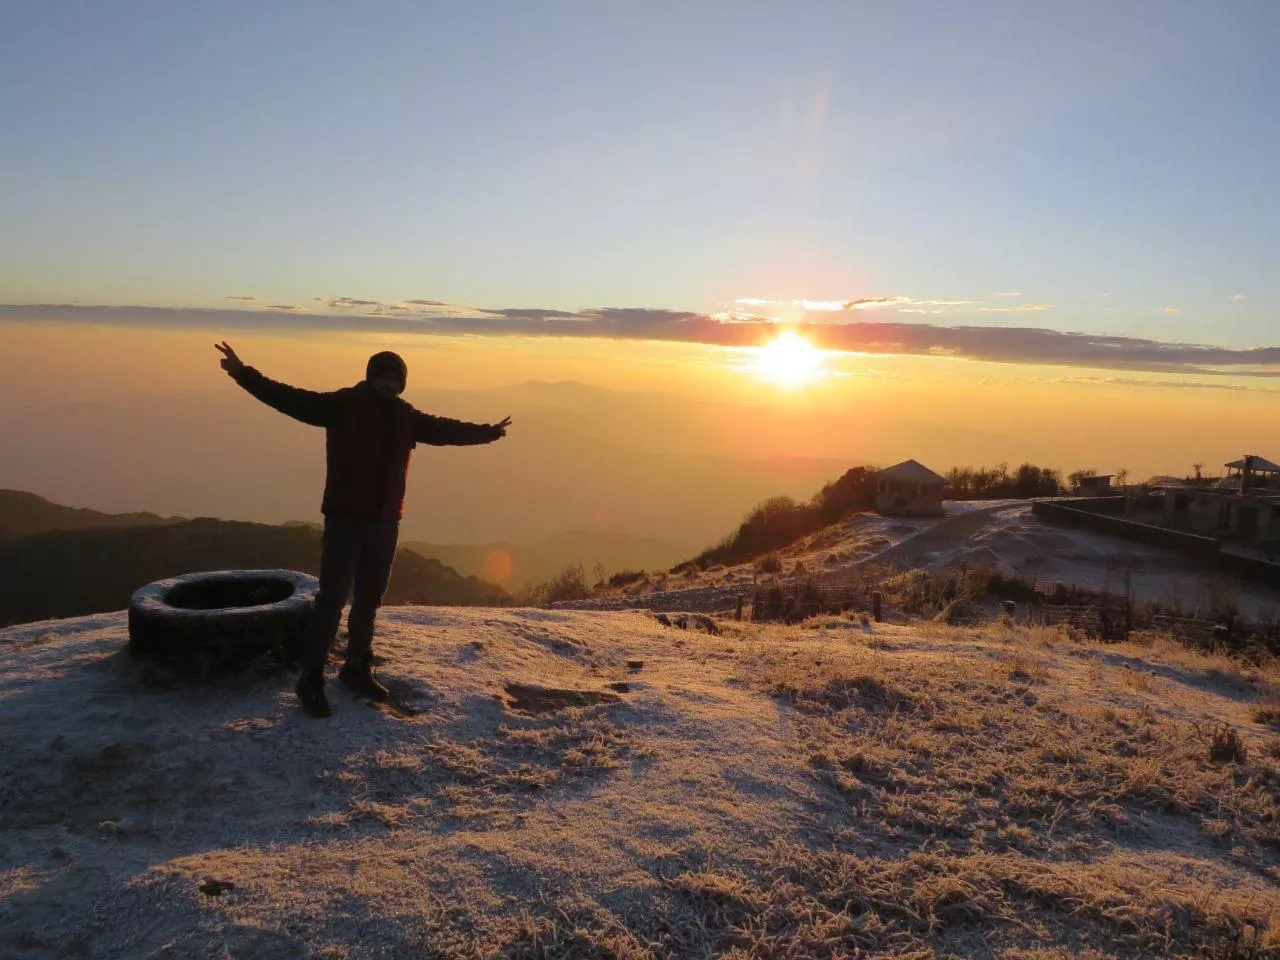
pixel 308 406
pixel 443 432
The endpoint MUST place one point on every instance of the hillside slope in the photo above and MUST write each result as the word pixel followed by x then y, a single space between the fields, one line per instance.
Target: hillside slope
pixel 999 535
pixel 769 792
pixel 25 514
pixel 69 573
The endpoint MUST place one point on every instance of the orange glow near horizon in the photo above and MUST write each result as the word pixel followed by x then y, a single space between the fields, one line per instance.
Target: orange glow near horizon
pixel 789 360
pixel 64 435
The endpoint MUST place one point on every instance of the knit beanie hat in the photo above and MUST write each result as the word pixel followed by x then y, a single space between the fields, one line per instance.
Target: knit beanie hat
pixel 387 364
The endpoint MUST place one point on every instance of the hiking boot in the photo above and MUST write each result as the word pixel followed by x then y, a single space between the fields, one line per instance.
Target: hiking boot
pixel 357 676
pixel 310 691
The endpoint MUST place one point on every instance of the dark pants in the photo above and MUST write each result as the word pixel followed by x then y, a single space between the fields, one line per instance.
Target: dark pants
pixel 359 551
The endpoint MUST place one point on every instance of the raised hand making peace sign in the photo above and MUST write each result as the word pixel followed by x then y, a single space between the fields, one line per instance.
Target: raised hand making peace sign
pixel 230 362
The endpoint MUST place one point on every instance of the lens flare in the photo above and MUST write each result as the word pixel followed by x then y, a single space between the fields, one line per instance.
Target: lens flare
pixel 498 566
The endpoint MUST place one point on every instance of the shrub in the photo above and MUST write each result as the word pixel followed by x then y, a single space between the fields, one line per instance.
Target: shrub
pixel 769 563
pixel 1268 714
pixel 624 578
pixel 1225 745
pixel 569 584
pixel 853 492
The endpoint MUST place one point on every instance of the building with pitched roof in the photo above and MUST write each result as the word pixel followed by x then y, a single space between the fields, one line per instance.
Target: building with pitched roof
pixel 909 488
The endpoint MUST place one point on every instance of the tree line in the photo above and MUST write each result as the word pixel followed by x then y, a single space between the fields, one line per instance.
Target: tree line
pixel 999 483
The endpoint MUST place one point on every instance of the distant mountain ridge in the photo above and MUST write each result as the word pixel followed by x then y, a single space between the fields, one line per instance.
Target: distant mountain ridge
pixel 95 567
pixel 25 514
pixel 518 565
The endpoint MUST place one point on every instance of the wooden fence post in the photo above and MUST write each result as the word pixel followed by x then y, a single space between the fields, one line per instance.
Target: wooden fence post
pixel 876 611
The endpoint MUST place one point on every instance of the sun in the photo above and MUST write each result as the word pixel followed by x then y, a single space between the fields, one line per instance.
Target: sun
pixel 788 360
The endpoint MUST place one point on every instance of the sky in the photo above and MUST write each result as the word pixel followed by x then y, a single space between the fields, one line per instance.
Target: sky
pixel 1005 230
pixel 1111 163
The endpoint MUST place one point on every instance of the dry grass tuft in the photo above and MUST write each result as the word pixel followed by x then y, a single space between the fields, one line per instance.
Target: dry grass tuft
pixel 1024 668
pixel 1225 745
pixel 484 779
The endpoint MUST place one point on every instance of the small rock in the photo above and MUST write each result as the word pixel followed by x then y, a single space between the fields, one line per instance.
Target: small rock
pixel 635 664
pixel 215 888
pixel 621 686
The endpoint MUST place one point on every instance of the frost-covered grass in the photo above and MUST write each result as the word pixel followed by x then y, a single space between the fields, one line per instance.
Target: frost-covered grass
pixel 838 789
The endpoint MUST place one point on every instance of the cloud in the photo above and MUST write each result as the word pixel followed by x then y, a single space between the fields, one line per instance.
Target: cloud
pixel 872 303
pixel 936 303
pixel 536 313
pixel 349 303
pixel 1237 296
pixel 1168 309
pixel 858 303
pixel 382 308
pixel 396 308
pixel 244 299
pixel 903 304
pixel 998 344
pixel 1008 293
pixel 1174 384
pixel 1020 307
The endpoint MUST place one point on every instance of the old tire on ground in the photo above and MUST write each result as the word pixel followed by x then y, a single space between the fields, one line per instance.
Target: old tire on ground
pixel 222 620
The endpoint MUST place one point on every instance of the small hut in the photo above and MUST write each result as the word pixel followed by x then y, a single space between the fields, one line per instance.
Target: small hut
pixel 1098 485
pixel 909 488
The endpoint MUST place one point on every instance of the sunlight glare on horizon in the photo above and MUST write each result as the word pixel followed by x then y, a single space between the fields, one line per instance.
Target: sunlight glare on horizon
pixel 788 360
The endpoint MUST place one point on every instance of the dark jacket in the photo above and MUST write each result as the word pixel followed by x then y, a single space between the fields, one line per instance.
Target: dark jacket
pixel 368 440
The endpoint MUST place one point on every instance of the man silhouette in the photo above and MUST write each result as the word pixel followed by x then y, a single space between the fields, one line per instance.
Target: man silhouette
pixel 369 434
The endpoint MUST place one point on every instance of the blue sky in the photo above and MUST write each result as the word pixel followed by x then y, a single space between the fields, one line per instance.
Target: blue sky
pixel 1110 163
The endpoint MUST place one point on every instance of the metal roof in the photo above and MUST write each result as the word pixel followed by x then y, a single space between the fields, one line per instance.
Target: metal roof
pixel 1258 463
pixel 911 471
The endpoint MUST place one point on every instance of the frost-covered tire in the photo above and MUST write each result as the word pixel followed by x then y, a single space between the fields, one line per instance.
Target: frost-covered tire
pixel 222 620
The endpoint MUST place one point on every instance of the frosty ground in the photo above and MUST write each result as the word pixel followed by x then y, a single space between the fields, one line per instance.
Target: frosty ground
pixel 768 792
pixel 1001 535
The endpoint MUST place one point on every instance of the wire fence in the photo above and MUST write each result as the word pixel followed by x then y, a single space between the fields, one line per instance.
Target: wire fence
pixel 1097 615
